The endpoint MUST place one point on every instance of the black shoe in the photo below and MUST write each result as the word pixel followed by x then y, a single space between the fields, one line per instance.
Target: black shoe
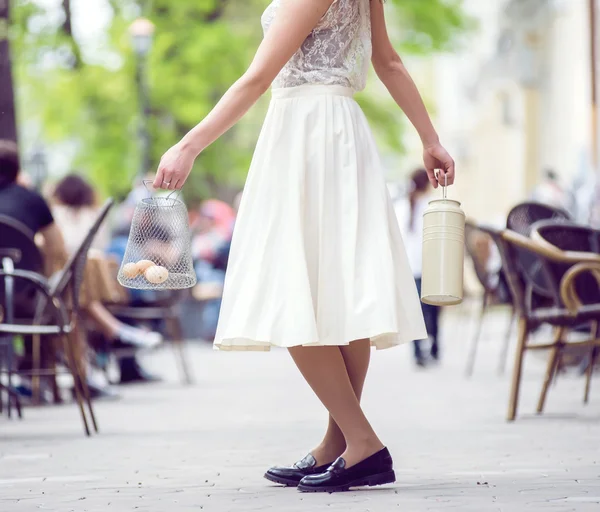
pixel 132 371
pixel 378 469
pixel 292 476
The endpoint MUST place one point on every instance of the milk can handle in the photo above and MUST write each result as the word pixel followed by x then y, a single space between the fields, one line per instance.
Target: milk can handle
pixel 445 187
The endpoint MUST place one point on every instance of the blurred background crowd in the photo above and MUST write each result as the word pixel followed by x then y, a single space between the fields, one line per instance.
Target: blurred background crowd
pixel 92 92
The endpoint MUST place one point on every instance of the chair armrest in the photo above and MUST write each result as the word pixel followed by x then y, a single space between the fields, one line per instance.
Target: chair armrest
pixel 554 253
pixel 568 292
pixel 42 285
pixel 487 229
pixel 13 254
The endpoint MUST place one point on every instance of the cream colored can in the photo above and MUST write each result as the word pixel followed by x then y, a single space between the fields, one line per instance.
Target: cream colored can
pixel 443 253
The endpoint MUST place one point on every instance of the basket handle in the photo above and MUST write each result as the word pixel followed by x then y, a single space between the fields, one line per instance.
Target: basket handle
pixel 176 192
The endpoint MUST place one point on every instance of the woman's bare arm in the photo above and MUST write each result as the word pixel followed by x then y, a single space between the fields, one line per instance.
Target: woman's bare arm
pixel 294 21
pixel 391 71
pixel 54 249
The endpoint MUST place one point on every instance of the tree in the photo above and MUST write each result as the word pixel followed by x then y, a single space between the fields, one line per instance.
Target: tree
pixel 8 124
pixel 87 96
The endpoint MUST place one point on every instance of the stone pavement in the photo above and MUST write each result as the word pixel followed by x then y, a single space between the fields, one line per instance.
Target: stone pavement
pixel 169 448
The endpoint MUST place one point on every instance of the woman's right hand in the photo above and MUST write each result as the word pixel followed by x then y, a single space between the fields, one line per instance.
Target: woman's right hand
pixel 174 168
pixel 435 157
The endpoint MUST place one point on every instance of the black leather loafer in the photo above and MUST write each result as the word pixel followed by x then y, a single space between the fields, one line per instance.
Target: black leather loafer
pixel 292 476
pixel 374 470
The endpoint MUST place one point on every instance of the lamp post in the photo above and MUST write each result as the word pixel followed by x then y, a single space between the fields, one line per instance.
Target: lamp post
pixel 38 167
pixel 141 32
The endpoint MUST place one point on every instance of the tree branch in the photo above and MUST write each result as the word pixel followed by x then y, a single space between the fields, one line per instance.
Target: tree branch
pixel 67 28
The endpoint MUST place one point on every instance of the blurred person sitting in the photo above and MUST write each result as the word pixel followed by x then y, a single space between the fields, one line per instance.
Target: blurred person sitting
pixel 212 227
pixel 25 205
pixel 212 231
pixel 222 256
pixel 30 208
pixel 552 192
pixel 75 209
pixel 410 218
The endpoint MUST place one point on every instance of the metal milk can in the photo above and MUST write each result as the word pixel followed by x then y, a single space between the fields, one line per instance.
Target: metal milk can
pixel 443 252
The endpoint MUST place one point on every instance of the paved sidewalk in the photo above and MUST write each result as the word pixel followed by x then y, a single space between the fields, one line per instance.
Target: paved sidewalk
pixel 168 448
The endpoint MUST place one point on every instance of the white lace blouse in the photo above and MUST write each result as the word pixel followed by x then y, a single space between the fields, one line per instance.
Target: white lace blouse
pixel 337 51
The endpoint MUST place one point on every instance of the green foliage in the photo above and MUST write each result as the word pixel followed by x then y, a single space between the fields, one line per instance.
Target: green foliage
pixel 87 95
pixel 427 26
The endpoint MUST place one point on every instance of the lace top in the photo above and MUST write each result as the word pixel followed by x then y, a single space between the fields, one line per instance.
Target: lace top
pixel 336 52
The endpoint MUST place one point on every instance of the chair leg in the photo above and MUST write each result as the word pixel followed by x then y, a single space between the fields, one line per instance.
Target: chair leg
pixel 35 378
pixel 87 397
pixel 73 367
pixel 3 347
pixel 475 340
pixel 78 349
pixel 589 373
pixel 10 395
pixel 506 343
pixel 18 406
pixel 176 334
pixel 88 400
pixel 590 368
pixel 9 364
pixel 518 368
pixel 551 369
pixel 2 389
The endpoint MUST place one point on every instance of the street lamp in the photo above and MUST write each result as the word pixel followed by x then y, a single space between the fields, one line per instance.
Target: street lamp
pixel 141 32
pixel 38 167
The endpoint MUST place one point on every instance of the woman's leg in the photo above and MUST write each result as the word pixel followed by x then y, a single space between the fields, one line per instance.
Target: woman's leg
pixel 104 319
pixel 356 358
pixel 325 371
pixel 113 328
pixel 419 359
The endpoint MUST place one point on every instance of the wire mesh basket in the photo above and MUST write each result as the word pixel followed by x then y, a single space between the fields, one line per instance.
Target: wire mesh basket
pixel 158 254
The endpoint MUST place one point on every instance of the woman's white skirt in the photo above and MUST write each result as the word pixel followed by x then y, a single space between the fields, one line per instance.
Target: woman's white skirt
pixel 317 257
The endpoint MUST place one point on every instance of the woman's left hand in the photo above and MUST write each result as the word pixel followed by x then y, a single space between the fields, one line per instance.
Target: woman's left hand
pixel 436 157
pixel 174 168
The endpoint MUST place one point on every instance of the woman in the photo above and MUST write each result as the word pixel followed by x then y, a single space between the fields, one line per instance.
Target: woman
pixel 317 263
pixel 410 218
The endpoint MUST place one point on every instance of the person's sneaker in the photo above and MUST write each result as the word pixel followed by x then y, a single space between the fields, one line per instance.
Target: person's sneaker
pixel 139 338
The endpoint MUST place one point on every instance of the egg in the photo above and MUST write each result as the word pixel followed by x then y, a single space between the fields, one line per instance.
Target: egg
pixel 130 270
pixel 144 265
pixel 156 274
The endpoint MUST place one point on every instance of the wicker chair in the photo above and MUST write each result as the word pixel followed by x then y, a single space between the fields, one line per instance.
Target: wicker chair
pixel 57 313
pixel 523 216
pixel 17 297
pixel 552 287
pixel 574 238
pixel 495 290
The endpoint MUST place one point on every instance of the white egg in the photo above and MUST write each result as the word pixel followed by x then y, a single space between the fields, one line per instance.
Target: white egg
pixel 144 265
pixel 156 274
pixel 130 270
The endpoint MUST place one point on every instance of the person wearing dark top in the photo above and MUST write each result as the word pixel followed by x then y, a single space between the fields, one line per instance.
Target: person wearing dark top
pixel 27 206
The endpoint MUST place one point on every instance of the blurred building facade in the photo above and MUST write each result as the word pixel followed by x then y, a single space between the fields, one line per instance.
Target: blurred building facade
pixel 513 101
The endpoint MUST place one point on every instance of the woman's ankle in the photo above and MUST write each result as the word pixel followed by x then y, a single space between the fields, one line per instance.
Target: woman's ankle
pixel 359 451
pixel 328 452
